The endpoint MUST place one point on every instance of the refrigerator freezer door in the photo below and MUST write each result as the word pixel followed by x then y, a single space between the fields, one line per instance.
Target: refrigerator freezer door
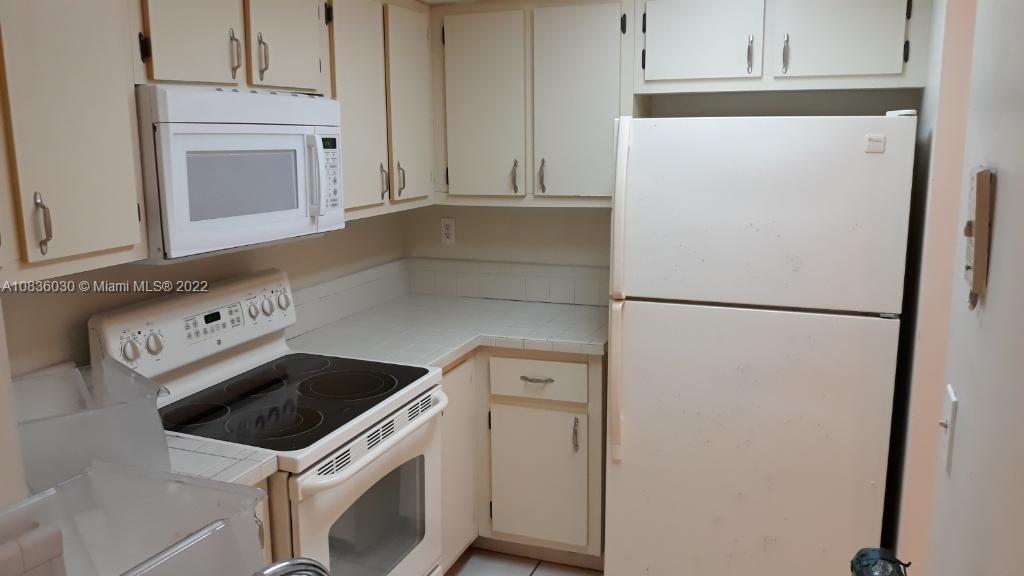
pixel 753 441
pixel 787 212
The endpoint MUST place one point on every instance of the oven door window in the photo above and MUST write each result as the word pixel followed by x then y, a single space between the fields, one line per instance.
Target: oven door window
pixel 225 184
pixel 383 526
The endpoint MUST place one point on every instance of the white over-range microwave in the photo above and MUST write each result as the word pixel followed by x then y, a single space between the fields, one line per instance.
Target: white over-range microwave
pixel 228 168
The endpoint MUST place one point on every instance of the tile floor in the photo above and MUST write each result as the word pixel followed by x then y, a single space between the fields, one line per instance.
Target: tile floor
pixel 483 563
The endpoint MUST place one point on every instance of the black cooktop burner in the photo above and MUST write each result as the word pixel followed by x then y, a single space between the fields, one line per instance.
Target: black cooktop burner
pixel 290 403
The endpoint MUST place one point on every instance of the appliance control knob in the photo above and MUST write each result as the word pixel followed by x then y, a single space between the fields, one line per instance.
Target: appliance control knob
pixel 283 301
pixel 154 344
pixel 253 311
pixel 130 350
pixel 268 307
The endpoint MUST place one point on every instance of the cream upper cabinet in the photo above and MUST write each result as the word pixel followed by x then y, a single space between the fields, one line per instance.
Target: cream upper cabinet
pixel 701 39
pixel 195 40
pixel 838 38
pixel 409 99
pixel 576 98
pixel 72 127
pixel 360 88
pixel 539 473
pixel 459 433
pixel 485 102
pixel 285 41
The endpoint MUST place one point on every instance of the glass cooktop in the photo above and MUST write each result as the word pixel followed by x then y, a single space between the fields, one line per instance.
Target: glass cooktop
pixel 289 403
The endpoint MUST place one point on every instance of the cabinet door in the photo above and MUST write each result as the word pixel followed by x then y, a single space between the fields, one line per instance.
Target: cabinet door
pixel 459 434
pixel 359 85
pixel 699 39
pixel 839 38
pixel 485 101
pixel 576 98
pixel 72 125
pixel 195 40
pixel 284 43
pixel 539 473
pixel 412 127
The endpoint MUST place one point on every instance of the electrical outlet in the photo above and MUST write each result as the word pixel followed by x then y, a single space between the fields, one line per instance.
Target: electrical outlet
pixel 447 230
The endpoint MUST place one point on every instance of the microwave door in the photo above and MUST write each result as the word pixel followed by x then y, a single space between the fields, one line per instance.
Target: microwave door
pixel 226 186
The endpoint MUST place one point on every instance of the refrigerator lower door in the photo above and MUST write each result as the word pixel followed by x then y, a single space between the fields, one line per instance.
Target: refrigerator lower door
pixel 752 441
pixel 785 212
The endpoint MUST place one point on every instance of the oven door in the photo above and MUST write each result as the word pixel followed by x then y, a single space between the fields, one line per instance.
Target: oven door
pixel 229 185
pixel 373 508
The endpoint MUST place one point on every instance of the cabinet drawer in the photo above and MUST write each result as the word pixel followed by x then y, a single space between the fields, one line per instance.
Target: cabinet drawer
pixel 565 381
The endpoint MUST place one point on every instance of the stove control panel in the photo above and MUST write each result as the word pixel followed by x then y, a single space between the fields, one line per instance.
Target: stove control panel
pixel 175 331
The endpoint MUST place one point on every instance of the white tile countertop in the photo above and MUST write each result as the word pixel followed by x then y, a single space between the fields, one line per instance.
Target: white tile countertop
pixel 437 330
pixel 220 460
pixel 425 330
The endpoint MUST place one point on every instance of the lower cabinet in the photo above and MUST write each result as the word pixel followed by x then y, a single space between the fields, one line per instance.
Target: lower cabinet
pixel 542 468
pixel 539 472
pixel 459 434
pixel 522 454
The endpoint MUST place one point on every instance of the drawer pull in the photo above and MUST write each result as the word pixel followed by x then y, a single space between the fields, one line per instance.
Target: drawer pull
pixel 544 381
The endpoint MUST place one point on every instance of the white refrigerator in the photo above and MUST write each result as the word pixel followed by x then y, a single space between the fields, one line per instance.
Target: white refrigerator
pixel 757 282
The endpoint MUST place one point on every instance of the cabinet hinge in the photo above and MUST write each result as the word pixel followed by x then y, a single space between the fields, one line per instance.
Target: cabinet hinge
pixel 643 24
pixel 488 420
pixel 446 181
pixel 622 23
pixel 910 8
pixel 328 13
pixel 442 35
pixel 643 59
pixel 490 511
pixel 145 47
pixel 906 51
pixel 138 209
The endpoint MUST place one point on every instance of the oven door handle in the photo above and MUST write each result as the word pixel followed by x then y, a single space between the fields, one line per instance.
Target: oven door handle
pixel 306 487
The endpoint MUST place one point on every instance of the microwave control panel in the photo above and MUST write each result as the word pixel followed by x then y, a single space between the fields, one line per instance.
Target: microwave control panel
pixel 332 163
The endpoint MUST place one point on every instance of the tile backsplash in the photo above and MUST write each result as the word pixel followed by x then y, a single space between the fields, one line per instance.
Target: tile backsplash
pixel 505 281
pixel 333 300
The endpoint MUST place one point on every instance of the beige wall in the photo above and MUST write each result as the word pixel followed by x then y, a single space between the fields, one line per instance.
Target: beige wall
pixel 940 149
pixel 44 329
pixel 979 510
pixel 576 236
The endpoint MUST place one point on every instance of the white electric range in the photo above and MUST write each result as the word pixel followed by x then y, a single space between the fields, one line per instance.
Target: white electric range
pixel 358 442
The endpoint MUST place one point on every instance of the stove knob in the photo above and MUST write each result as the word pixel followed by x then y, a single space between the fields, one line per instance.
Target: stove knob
pixel 253 311
pixel 283 301
pixel 268 307
pixel 154 344
pixel 130 350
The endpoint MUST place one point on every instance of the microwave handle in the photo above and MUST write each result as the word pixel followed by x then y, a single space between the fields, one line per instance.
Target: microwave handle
pixel 313 160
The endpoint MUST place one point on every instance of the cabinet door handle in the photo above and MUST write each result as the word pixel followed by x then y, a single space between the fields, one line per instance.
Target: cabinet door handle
pixel 515 175
pixel 384 184
pixel 543 163
pixel 401 179
pixel 544 381
pixel 44 244
pixel 576 434
pixel 236 52
pixel 785 54
pixel 750 54
pixel 264 54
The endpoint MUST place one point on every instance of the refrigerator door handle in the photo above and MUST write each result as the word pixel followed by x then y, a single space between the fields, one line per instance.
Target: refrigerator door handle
pixel 619 207
pixel 615 418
